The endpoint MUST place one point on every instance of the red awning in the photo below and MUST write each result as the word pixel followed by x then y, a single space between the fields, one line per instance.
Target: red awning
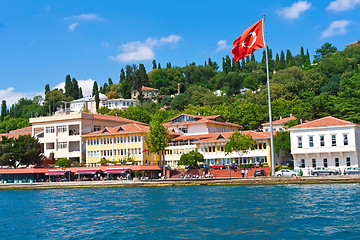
pixel 116 170
pixel 57 172
pixel 87 171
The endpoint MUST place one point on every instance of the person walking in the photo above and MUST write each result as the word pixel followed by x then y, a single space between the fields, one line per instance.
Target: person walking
pixel 246 173
pixel 243 172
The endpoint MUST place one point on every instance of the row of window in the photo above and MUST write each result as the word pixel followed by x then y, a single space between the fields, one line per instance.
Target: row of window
pixel 322 140
pixel 325 162
pixel 115 152
pixel 220 148
pixel 103 141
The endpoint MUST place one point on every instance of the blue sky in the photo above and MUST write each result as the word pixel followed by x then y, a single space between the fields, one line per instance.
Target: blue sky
pixel 43 41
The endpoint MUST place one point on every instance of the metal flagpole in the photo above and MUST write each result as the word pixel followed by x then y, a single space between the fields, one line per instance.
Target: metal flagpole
pixel 269 100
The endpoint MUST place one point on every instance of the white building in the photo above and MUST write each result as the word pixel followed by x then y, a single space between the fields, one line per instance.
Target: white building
pixel 149 94
pixel 62 134
pixel 89 104
pixel 326 142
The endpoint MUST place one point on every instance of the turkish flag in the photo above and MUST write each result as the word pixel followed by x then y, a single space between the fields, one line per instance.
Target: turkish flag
pixel 251 40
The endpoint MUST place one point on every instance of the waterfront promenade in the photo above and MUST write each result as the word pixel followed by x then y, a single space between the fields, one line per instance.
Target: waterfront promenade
pixel 185 182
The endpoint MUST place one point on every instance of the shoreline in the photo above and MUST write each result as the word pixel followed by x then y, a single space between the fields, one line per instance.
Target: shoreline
pixel 185 182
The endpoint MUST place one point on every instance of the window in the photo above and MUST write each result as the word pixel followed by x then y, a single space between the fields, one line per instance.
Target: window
pixel 183 129
pixel 302 165
pixel 325 162
pixel 311 141
pixel 264 145
pixel 314 163
pixel 62 145
pixel 337 162
pixel 322 141
pixel 348 162
pixel 346 141
pixel 50 130
pixel 333 140
pixel 299 142
pixel 62 128
pixel 97 128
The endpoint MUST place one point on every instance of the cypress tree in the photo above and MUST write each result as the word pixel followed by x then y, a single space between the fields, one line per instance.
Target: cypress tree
pixel 68 86
pixel 247 59
pixel 144 77
pixel 95 89
pixel 263 59
pixel 110 82
pixel 277 60
pixel 47 89
pixel 154 64
pixel 122 75
pixel 252 58
pixel 289 59
pixel 303 57
pixel 243 64
pixel 75 89
pixel 80 93
pixel 159 66
pixel 282 63
pixel 308 62
pixel 3 110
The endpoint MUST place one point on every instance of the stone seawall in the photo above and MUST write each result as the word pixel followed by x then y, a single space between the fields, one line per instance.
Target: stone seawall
pixel 185 182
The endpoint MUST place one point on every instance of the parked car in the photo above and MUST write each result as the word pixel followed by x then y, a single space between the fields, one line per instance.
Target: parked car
pixel 324 171
pixel 286 173
pixel 234 166
pixel 259 173
pixel 219 166
pixel 351 171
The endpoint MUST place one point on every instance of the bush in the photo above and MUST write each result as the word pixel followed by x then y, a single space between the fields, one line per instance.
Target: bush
pixel 63 163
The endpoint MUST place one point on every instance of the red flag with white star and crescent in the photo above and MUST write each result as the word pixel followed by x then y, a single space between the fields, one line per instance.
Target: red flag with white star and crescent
pixel 251 40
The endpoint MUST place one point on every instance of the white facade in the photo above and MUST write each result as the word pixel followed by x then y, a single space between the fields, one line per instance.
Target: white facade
pixel 89 104
pixel 329 146
pixel 62 135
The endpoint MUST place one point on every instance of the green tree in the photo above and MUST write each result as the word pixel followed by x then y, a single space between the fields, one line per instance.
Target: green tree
pixel 63 163
pixel 322 52
pixel 191 158
pixel 47 88
pixel 158 139
pixel 240 143
pixel 282 145
pixel 68 86
pixel 154 64
pixel 4 111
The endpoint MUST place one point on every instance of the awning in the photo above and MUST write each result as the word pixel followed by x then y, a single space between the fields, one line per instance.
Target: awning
pixel 87 171
pixel 116 170
pixel 57 172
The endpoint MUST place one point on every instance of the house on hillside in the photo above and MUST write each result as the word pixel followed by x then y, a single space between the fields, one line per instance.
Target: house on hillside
pixel 325 142
pixel 149 94
pixel 278 125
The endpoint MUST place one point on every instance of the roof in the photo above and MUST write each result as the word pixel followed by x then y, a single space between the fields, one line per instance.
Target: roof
pixel 201 119
pixel 148 89
pixel 76 169
pixel 351 44
pixel 324 122
pixel 210 137
pixel 113 118
pixel 22 131
pixel 126 128
pixel 281 121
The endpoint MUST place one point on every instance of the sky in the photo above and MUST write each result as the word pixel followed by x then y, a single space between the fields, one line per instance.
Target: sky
pixel 42 41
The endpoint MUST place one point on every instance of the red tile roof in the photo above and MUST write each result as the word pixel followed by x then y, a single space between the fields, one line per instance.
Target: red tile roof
pixel 114 118
pixel 280 121
pixel 22 131
pixel 200 119
pixel 324 122
pixel 149 89
pixel 126 128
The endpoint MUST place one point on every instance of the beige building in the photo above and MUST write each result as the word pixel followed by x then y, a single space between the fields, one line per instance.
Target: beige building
pixel 149 94
pixel 62 134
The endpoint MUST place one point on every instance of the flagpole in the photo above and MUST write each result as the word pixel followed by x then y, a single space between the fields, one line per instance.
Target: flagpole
pixel 269 100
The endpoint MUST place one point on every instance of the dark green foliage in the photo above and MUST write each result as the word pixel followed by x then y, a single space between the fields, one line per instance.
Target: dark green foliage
pixel 191 158
pixel 322 52
pixel 63 163
pixel 4 110
pixel 25 150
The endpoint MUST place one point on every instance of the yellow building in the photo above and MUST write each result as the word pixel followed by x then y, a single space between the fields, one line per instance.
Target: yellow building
pixel 119 144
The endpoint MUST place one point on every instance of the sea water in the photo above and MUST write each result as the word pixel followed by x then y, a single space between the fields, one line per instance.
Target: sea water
pixel 203 212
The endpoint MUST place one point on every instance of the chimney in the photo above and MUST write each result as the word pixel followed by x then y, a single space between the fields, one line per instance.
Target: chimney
pixel 178 88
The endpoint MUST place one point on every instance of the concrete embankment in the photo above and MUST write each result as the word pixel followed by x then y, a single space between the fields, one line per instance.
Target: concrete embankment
pixel 185 182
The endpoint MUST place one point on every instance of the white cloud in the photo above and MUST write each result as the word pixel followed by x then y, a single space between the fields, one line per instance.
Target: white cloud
pixel 294 11
pixel 336 28
pixel 137 51
pixel 342 5
pixel 72 26
pixel 11 96
pixel 86 86
pixel 86 17
pixel 222 45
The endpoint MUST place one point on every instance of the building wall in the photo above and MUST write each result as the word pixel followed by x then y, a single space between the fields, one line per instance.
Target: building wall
pixel 340 156
pixel 118 147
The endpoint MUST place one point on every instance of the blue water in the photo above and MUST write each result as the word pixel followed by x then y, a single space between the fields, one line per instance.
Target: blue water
pixel 205 212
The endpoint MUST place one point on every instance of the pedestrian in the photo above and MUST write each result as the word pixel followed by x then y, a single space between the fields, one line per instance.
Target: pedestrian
pixel 243 172
pixel 308 171
pixel 246 173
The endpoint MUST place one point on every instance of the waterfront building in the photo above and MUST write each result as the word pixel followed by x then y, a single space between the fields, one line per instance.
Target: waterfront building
pixel 278 125
pixel 149 94
pixel 118 144
pixel 61 136
pixel 208 135
pixel 326 142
